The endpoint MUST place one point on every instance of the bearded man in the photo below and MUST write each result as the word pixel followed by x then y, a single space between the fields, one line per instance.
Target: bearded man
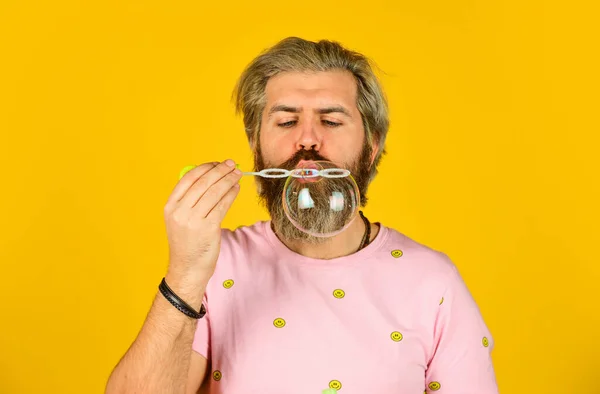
pixel 276 307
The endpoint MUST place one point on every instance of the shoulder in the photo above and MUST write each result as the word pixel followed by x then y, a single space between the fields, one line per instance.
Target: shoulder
pixel 421 262
pixel 243 236
pixel 418 254
pixel 242 245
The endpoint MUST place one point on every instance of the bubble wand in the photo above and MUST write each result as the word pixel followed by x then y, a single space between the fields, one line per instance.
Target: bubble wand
pixel 300 173
pixel 283 173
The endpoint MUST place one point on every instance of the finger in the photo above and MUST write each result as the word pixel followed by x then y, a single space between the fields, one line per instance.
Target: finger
pixel 202 184
pixel 215 193
pixel 188 180
pixel 219 211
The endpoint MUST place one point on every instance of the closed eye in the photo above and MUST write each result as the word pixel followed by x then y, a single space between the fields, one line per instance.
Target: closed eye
pixel 287 124
pixel 291 123
pixel 329 123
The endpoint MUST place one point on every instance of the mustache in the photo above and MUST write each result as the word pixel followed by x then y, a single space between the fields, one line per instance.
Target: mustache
pixel 308 155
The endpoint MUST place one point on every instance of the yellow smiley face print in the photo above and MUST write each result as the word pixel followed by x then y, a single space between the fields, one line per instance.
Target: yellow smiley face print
pixel 339 293
pixel 335 384
pixel 228 283
pixel 396 336
pixel 279 322
pixel 485 342
pixel 434 386
pixel 217 375
pixel 397 253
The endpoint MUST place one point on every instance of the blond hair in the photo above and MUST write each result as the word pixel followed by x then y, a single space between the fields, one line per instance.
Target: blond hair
pixel 300 55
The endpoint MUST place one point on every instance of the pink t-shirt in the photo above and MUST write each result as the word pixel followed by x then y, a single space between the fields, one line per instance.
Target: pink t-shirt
pixel 395 317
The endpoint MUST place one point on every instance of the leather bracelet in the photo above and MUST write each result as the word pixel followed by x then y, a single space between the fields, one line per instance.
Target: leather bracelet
pixel 178 303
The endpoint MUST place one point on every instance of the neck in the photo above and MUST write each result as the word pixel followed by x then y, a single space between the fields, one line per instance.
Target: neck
pixel 343 244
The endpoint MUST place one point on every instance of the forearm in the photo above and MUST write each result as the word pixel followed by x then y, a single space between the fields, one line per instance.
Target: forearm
pixel 158 360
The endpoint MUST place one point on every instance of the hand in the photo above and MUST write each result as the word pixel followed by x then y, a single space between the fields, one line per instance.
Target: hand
pixel 193 216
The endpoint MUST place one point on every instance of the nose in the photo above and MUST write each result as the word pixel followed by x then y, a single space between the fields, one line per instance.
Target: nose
pixel 308 138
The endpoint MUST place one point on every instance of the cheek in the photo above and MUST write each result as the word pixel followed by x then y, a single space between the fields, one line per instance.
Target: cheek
pixel 344 148
pixel 276 150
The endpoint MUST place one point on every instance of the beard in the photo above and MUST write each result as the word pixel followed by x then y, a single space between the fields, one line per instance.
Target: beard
pixel 270 191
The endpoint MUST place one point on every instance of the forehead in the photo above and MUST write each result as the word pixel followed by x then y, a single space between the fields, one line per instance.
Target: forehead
pixel 312 89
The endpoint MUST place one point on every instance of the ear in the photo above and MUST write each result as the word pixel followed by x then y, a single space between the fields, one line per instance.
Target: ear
pixel 375 151
pixel 254 141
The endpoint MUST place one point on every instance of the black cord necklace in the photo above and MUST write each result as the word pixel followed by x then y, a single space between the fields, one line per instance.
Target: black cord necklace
pixel 367 236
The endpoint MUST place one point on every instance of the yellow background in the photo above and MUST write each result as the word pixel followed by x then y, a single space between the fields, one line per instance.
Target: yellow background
pixel 493 152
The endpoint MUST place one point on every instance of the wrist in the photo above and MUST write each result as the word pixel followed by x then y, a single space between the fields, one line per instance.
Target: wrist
pixel 187 279
pixel 180 304
pixel 189 290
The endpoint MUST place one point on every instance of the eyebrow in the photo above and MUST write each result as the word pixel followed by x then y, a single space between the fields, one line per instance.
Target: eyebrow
pixel 321 111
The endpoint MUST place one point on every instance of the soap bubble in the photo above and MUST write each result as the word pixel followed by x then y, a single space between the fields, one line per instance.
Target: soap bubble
pixel 321 205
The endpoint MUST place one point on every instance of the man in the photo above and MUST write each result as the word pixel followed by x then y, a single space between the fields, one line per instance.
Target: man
pixel 283 311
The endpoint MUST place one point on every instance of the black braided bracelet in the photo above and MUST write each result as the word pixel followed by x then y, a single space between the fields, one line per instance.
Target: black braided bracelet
pixel 178 303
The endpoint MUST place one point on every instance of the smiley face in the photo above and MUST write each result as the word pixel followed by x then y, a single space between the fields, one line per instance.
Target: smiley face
pixel 434 386
pixel 339 293
pixel 217 375
pixel 335 384
pixel 396 336
pixel 396 253
pixel 485 342
pixel 228 283
pixel 279 322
